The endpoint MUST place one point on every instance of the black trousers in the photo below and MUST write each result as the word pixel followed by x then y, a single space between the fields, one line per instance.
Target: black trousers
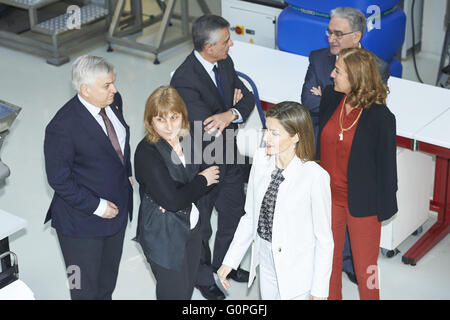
pixel 92 265
pixel 229 200
pixel 179 285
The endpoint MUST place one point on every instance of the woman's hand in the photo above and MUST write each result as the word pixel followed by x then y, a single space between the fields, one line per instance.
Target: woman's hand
pixel 211 174
pixel 222 273
pixel 316 298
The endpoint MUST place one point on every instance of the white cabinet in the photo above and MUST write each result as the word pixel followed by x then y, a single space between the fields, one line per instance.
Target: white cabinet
pixel 415 179
pixel 251 22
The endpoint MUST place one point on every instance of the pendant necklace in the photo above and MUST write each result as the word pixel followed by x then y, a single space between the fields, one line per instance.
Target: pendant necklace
pixel 341 134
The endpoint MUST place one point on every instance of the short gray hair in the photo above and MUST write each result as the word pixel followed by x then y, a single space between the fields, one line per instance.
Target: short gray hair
pixel 206 29
pixel 355 17
pixel 86 69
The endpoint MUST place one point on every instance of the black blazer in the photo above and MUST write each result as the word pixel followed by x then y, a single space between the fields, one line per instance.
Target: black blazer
pixel 82 167
pixel 372 166
pixel 203 100
pixel 164 181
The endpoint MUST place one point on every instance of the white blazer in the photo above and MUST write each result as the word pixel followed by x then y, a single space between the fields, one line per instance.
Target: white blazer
pixel 302 240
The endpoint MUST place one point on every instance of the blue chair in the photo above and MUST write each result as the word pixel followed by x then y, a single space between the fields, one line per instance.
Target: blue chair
pixel 249 136
pixel 262 116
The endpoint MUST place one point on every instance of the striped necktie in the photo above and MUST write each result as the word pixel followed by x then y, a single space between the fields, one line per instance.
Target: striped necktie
pixel 112 134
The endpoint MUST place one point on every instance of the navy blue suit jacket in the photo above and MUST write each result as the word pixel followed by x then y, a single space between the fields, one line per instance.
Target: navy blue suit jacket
pixel 82 167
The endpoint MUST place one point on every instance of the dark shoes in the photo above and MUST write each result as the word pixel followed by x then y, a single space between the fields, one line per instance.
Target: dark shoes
pixel 211 292
pixel 351 277
pixel 239 275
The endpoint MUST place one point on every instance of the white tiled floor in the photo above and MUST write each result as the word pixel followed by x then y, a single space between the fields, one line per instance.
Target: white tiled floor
pixel 41 89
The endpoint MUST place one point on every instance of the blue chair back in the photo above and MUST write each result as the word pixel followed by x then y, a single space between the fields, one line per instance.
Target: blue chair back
pixel 262 116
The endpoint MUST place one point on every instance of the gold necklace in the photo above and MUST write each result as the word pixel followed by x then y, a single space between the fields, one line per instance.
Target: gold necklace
pixel 341 134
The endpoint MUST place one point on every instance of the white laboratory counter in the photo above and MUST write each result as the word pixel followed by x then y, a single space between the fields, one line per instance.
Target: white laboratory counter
pixel 9 224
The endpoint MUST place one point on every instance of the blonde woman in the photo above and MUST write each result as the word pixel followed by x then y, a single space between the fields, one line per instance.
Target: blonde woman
pixel 288 212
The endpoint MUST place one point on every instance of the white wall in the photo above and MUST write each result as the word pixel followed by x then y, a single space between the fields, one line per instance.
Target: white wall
pixel 433 30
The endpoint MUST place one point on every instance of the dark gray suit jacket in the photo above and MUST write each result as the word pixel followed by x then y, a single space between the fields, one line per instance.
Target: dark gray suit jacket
pixel 203 100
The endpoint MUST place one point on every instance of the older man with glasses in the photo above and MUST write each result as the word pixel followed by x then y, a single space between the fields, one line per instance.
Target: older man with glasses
pixel 345 30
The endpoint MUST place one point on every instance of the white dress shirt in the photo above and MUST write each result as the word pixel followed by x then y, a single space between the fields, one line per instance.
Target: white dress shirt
pixel 120 132
pixel 209 69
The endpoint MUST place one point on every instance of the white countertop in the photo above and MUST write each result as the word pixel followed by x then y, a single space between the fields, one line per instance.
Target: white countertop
pixel 17 290
pixel 415 105
pixel 10 224
pixel 278 75
pixel 437 132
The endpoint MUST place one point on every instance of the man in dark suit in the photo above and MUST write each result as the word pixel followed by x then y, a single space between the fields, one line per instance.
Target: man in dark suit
pixel 87 159
pixel 216 101
pixel 345 30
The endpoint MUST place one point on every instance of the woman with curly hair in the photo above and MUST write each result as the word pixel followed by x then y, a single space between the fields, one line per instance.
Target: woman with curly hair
pixel 357 147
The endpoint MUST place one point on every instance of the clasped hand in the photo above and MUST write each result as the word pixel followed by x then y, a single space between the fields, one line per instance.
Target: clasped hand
pixel 220 121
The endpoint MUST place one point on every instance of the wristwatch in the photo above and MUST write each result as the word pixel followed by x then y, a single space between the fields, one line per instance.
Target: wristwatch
pixel 235 113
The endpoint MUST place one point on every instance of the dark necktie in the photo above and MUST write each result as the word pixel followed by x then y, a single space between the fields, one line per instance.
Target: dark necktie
pixel 219 84
pixel 111 134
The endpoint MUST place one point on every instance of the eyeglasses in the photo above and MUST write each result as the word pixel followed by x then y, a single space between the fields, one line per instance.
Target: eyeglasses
pixel 336 34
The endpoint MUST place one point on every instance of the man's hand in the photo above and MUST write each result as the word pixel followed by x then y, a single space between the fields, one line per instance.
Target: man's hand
pixel 111 210
pixel 131 180
pixel 316 91
pixel 218 122
pixel 237 96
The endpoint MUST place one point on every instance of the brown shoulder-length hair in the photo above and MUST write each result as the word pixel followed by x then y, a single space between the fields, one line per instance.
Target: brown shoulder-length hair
pixel 296 120
pixel 163 100
pixel 367 87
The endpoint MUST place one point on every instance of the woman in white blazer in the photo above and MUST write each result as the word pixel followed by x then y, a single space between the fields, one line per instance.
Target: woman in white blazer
pixel 292 243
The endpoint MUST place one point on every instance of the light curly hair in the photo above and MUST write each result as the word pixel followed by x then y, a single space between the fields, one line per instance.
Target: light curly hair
pixel 366 85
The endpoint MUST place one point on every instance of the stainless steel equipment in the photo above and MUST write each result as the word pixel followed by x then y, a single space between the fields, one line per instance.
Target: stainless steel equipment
pixel 8 272
pixel 8 113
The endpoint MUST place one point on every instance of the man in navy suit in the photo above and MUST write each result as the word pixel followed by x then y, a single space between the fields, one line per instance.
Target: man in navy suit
pixel 345 30
pixel 87 160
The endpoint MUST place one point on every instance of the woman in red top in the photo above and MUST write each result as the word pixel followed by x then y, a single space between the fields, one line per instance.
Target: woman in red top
pixel 357 147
